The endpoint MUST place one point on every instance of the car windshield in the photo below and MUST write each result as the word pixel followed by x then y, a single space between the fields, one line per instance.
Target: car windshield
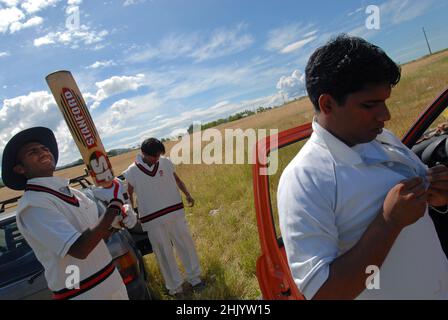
pixel 12 244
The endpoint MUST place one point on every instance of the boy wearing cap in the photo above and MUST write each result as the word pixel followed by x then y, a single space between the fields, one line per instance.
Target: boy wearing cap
pixel 162 215
pixel 60 223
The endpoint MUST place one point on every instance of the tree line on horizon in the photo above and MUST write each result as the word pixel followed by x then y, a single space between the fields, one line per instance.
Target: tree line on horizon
pixel 234 117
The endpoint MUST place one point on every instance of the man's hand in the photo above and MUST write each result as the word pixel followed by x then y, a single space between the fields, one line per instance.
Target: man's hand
pixel 129 217
pixel 405 203
pixel 438 186
pixel 115 208
pixel 190 200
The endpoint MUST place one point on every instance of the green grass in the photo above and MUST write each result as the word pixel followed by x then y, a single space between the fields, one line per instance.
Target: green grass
pixel 228 243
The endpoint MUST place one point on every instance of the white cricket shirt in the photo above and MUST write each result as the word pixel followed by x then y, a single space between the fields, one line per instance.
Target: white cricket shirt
pixel 327 197
pixel 51 217
pixel 156 189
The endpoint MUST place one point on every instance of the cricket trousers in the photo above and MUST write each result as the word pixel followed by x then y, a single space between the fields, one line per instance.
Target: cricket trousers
pixel 171 232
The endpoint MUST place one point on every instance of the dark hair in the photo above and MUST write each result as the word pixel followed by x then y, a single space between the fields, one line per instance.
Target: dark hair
pixel 345 65
pixel 152 147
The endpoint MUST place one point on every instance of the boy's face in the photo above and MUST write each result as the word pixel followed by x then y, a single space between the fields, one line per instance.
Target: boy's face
pixel 362 116
pixel 151 159
pixel 35 160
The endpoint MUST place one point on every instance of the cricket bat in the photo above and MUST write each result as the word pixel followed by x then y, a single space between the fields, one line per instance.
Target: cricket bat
pixel 77 116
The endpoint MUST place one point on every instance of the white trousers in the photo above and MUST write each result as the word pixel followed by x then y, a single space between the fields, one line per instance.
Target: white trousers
pixel 165 233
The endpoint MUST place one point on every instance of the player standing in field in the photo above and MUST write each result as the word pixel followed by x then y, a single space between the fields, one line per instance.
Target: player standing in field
pixel 162 215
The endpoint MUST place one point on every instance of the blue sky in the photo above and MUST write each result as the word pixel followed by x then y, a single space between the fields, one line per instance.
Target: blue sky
pixel 151 68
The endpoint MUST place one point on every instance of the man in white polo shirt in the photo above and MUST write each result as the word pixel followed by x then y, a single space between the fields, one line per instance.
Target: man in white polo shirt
pixel 60 223
pixel 162 215
pixel 355 196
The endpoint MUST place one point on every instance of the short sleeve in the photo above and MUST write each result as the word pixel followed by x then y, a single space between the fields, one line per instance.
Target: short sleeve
pixel 100 194
pixel 123 186
pixel 170 165
pixel 308 227
pixel 50 228
pixel 129 176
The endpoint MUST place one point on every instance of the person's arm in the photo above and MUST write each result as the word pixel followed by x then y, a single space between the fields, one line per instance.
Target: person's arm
pixel 404 205
pixel 90 238
pixel 181 186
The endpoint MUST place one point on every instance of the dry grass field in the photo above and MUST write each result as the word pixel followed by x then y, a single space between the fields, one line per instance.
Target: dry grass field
pixel 227 239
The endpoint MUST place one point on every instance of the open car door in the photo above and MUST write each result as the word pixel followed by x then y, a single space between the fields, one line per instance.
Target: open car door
pixel 273 272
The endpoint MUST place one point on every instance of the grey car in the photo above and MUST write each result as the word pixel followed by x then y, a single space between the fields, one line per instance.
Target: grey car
pixel 22 275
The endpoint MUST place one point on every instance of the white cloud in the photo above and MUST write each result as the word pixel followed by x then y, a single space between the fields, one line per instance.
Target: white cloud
pixel 116 85
pixel 9 16
pixel 4 54
pixel 292 86
pixel 144 55
pixel 10 3
pixel 203 80
pixel 113 86
pixel 223 42
pixel 134 114
pixel 290 38
pixel 32 22
pixel 72 34
pixel 132 2
pixel 198 46
pixel 297 45
pixel 12 17
pixel 36 108
pixel 33 6
pixel 73 37
pixel 355 11
pixel 101 64
pixel 399 11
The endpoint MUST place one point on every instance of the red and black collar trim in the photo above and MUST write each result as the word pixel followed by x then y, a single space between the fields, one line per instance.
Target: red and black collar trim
pixel 86 284
pixel 150 173
pixel 70 200
pixel 161 212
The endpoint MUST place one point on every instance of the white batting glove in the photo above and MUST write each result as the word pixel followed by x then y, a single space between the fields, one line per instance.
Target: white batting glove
pixel 129 217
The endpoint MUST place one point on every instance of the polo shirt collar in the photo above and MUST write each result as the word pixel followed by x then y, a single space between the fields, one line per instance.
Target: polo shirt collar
pixel 338 149
pixel 140 161
pixel 54 183
pixel 341 152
